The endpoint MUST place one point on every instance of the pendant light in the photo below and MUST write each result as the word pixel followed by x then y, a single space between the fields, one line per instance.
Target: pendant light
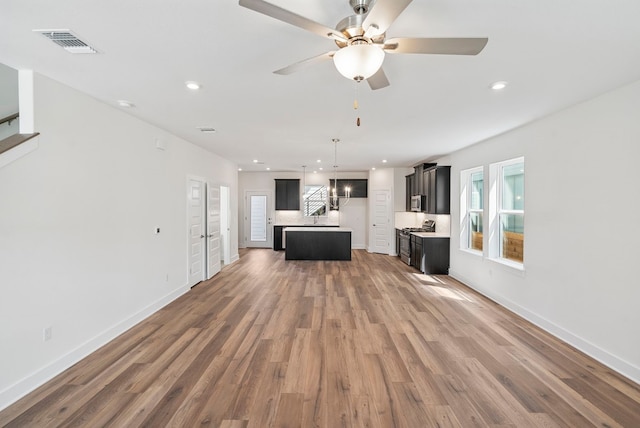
pixel 334 191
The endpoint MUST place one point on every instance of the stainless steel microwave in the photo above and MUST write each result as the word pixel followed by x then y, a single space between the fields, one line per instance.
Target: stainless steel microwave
pixel 418 202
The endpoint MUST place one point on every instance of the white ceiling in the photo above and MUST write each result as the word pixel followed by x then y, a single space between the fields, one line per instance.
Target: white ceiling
pixel 553 53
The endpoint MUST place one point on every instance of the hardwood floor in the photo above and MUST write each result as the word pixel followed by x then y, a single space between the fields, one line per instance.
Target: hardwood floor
pixel 364 343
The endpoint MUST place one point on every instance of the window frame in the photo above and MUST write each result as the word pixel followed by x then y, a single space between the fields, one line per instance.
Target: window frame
pixel 466 195
pixel 497 212
pixel 324 193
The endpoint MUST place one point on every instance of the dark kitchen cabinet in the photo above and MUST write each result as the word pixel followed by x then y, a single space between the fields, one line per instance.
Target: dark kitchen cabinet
pixel 358 187
pixel 417 183
pixel 277 238
pixel 416 252
pixel 437 184
pixel 278 244
pixel 435 256
pixel 410 189
pixel 398 242
pixel 288 194
pixel 430 255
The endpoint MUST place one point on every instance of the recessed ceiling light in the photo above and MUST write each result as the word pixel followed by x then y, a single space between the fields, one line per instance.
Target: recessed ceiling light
pixel 318 161
pixel 255 161
pixel 239 169
pixel 268 169
pixel 373 169
pixel 125 103
pixel 194 86
pixel 497 86
pixel 320 168
pixel 384 161
pixel 315 172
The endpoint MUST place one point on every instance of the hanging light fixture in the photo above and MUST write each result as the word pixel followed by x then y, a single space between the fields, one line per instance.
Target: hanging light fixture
pixel 304 189
pixel 334 198
pixel 359 60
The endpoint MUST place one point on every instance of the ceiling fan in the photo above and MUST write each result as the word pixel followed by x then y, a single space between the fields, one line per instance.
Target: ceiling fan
pixel 361 39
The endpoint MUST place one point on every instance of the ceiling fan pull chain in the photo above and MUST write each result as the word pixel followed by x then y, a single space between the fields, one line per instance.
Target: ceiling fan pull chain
pixel 355 97
pixel 355 102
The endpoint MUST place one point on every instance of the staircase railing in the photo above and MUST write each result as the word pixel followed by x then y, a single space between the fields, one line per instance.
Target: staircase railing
pixel 314 202
pixel 9 118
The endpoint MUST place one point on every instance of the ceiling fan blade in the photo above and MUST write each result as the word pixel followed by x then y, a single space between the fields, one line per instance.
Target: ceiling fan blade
pixel 291 18
pixel 305 63
pixel 442 46
pixel 382 15
pixel 378 80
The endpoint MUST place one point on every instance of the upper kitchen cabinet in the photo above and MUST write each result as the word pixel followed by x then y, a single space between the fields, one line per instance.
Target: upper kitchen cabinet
pixel 437 184
pixel 357 187
pixel 288 194
pixel 410 189
pixel 433 182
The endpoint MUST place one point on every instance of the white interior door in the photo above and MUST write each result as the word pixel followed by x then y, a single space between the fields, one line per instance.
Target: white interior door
pixel 196 212
pixel 225 226
pixel 213 230
pixel 258 224
pixel 381 221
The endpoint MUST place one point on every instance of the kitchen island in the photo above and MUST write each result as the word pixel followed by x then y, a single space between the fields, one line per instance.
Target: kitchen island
pixel 317 243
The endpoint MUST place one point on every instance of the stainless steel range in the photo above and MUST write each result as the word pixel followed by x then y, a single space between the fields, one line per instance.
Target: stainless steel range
pixel 405 239
pixel 405 246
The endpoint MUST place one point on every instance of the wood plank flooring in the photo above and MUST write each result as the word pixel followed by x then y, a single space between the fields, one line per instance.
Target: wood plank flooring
pixel 362 343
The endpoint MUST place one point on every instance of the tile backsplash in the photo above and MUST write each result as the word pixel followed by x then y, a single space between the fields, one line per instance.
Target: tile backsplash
pixel 409 219
pixel 296 218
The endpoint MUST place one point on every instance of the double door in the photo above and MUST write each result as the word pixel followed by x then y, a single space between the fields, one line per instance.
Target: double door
pixel 204 230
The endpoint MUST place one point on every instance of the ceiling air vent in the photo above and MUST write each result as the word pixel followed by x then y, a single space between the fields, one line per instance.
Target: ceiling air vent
pixel 66 39
pixel 206 129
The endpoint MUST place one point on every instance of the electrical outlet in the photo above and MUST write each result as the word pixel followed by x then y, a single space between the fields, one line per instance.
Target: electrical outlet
pixel 47 333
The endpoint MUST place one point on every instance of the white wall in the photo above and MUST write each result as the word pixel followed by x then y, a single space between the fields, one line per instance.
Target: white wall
pixel 77 216
pixel 400 188
pixel 352 215
pixel 582 232
pixel 8 100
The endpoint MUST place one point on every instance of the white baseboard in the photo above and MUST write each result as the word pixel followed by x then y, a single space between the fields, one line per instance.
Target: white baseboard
pixel 21 388
pixel 235 258
pixel 358 246
pixel 623 367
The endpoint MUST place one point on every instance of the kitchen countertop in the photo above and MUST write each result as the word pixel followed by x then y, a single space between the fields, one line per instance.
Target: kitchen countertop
pixel 317 229
pixel 430 234
pixel 306 225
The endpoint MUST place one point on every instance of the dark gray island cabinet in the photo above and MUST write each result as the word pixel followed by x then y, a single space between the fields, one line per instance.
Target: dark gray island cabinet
pixel 317 243
pixel 430 252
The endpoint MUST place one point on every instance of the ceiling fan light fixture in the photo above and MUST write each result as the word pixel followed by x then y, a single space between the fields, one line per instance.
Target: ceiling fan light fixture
pixel 358 61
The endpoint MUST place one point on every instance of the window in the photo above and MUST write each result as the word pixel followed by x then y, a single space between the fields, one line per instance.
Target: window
pixel 472 204
pixel 511 212
pixel 315 200
pixel 507 211
pixel 476 204
pixel 258 217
